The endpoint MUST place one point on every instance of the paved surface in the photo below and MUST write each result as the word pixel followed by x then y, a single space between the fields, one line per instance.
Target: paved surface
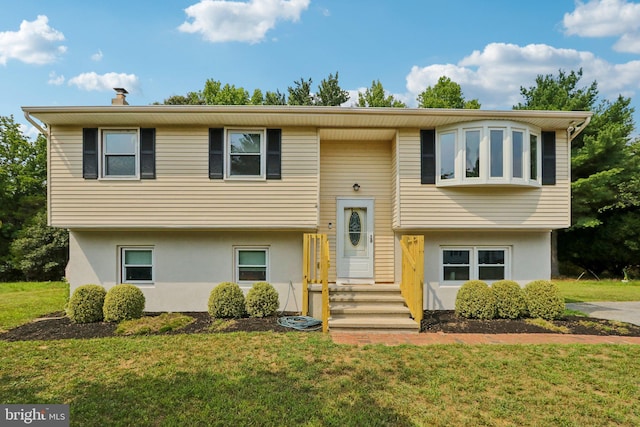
pixel 623 311
pixel 365 338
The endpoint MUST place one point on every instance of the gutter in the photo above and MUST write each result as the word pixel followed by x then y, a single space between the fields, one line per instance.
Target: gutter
pixel 35 124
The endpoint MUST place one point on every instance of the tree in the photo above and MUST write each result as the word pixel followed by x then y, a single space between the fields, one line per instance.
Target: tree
pixel 23 174
pixel 216 94
pixel 300 93
pixel 375 96
pixel 256 98
pixel 604 166
pixel 40 251
pixel 330 93
pixel 445 94
pixel 275 98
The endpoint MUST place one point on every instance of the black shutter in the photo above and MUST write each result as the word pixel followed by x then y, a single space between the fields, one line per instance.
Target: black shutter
pixel 428 156
pixel 147 153
pixel 90 153
pixel 216 153
pixel 548 158
pixel 274 147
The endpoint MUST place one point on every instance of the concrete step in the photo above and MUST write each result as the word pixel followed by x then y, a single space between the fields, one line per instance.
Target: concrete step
pixel 393 325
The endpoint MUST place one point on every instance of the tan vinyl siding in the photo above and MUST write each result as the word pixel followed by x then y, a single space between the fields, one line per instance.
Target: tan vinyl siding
pixel 428 206
pixel 183 195
pixel 394 182
pixel 369 164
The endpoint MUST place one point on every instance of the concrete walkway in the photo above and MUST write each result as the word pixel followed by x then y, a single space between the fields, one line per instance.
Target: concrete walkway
pixel 365 338
pixel 623 311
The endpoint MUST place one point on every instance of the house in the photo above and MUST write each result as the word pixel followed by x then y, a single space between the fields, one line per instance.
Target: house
pixel 176 199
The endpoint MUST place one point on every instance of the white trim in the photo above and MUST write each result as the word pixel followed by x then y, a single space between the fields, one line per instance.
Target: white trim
pixel 236 264
pixel 101 154
pixel 263 154
pixel 121 255
pixel 485 127
pixel 474 266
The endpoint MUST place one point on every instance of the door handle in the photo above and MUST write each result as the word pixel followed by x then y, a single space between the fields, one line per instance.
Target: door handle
pixel 370 237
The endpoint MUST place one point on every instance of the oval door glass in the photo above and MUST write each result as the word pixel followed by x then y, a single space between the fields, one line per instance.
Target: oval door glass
pixel 355 228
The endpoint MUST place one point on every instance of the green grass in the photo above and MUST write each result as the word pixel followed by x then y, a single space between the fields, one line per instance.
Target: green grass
pixel 21 302
pixel 271 379
pixel 604 290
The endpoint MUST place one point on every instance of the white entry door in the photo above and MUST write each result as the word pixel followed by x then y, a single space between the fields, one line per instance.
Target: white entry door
pixel 354 239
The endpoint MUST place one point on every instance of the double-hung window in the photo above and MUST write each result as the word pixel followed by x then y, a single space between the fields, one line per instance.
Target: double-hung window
pixel 120 152
pixel 252 265
pixel 137 265
pixel 459 264
pixel 246 153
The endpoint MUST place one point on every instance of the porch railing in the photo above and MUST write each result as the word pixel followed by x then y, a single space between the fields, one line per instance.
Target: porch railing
pixel 316 270
pixel 412 283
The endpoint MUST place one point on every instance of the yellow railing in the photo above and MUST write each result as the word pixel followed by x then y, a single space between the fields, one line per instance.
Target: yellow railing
pixel 316 270
pixel 413 274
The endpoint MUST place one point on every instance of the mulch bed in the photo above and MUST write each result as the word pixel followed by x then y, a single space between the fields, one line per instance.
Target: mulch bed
pixel 447 321
pixel 56 326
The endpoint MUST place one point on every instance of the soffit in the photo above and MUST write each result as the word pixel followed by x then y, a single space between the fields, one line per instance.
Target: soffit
pixel 331 118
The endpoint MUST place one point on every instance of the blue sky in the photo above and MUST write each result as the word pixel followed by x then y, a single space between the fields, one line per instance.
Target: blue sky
pixel 57 52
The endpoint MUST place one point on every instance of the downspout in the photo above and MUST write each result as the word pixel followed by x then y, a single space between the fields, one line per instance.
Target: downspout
pixel 35 124
pixel 574 131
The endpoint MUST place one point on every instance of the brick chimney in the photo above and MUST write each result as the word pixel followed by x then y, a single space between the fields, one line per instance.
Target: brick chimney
pixel 121 96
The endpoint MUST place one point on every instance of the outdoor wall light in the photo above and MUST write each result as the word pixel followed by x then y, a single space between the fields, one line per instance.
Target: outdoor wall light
pixel 356 187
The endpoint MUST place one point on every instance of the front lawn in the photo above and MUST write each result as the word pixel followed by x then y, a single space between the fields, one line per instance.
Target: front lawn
pixel 273 379
pixel 603 290
pixel 23 301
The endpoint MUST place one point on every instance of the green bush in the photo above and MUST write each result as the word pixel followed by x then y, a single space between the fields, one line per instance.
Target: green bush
pixel 226 301
pixel 543 300
pixel 475 300
pixel 85 304
pixel 510 302
pixel 123 302
pixel 262 300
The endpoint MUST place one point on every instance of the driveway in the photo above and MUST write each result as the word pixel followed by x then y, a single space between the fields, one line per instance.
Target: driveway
pixel 623 311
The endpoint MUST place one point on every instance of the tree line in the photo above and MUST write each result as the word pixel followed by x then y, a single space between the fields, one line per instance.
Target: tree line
pixel 604 237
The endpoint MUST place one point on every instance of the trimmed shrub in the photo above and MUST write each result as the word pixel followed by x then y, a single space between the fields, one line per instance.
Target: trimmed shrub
pixel 85 304
pixel 475 300
pixel 226 301
pixel 123 302
pixel 543 300
pixel 262 300
pixel 510 302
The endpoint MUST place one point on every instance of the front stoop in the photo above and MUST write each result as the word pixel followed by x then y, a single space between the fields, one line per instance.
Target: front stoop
pixel 371 308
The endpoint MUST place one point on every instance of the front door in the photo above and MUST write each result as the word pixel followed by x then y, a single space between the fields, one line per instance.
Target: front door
pixel 354 240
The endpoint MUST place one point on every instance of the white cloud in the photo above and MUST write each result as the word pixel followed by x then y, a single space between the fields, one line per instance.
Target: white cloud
pixel 495 74
pixel 606 18
pixel 97 56
pixel 225 21
pixel 55 79
pixel 29 131
pixel 35 43
pixel 105 82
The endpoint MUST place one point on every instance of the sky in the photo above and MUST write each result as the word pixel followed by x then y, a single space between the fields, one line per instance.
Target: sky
pixel 72 53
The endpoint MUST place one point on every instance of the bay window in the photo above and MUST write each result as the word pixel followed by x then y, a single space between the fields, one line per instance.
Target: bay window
pixel 488 153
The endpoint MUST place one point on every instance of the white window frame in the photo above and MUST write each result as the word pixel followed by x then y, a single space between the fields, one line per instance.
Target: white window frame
pixel 474 265
pixel 102 157
pixel 236 263
pixel 123 266
pixel 485 179
pixel 263 154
